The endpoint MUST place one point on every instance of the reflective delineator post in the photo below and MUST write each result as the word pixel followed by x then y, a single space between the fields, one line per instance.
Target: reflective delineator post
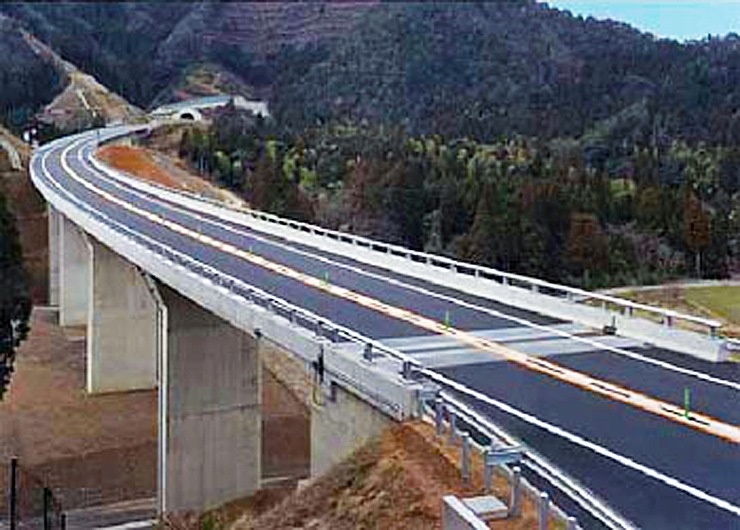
pixel 686 401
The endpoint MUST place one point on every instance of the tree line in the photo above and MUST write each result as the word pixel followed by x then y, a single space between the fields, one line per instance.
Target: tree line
pixel 554 209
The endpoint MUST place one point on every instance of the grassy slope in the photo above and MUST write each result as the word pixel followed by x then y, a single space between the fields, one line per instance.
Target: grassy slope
pixel 724 301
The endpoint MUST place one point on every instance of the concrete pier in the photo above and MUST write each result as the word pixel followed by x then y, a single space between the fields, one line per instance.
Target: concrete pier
pixel 340 425
pixel 209 417
pixel 122 325
pixel 74 270
pixel 54 242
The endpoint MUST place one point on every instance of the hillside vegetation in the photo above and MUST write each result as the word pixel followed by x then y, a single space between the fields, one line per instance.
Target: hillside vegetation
pixel 504 132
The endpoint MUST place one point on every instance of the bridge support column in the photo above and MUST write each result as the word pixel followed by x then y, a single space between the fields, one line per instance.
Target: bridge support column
pixel 209 409
pixel 54 218
pixel 122 325
pixel 340 425
pixel 74 270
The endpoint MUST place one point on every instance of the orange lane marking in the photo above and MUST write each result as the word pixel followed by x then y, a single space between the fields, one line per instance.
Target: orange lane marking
pixel 607 389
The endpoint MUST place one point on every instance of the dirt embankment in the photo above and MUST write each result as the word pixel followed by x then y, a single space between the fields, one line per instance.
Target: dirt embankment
pixel 161 168
pixel 396 481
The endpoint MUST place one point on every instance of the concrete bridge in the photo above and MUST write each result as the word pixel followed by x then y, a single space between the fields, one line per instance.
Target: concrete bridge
pixel 186 295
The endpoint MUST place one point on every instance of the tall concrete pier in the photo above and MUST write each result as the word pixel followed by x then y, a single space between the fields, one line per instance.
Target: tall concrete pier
pixel 74 270
pixel 122 325
pixel 209 417
pixel 54 226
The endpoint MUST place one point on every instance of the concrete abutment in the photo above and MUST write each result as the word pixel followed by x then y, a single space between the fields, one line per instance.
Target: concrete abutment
pixel 341 424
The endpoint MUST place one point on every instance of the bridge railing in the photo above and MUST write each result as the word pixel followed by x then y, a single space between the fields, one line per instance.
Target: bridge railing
pixel 574 294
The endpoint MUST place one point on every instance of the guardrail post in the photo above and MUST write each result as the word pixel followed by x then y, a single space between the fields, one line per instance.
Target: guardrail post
pixel 13 493
pixel 572 523
pixel 439 416
pixel 669 321
pixel 488 468
pixel 515 502
pixel 535 288
pixel 544 508
pixel 629 310
pixel 465 454
pixel 406 370
pixel 367 353
pixel 452 438
pixel 293 316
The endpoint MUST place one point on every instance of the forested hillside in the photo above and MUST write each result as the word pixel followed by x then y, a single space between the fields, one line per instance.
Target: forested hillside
pixel 15 303
pixel 27 82
pixel 503 132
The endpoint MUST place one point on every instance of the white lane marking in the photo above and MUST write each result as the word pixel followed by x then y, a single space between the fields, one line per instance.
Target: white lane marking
pixel 587 444
pixel 253 234
pixel 573 438
pixel 129 526
pixel 595 385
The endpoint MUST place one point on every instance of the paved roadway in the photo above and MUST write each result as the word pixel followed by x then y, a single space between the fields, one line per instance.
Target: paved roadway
pixel 664 474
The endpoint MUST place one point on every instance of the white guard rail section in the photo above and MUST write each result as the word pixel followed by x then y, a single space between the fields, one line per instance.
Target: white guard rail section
pixel 562 302
pixel 386 385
